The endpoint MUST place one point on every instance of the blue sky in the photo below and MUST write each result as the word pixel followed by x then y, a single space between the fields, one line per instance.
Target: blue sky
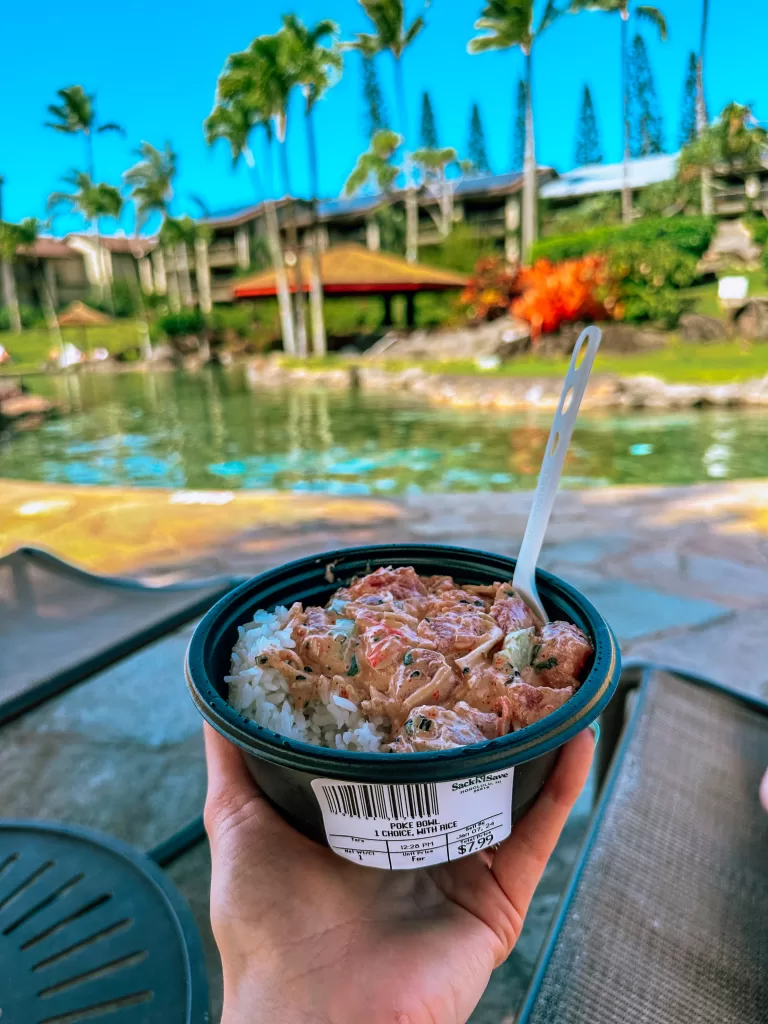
pixel 153 67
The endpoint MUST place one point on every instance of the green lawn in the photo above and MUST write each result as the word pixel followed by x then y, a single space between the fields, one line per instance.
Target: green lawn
pixel 678 363
pixel 704 296
pixel 30 349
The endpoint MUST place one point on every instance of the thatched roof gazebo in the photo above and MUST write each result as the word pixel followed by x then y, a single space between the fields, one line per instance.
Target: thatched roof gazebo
pixel 77 314
pixel 348 270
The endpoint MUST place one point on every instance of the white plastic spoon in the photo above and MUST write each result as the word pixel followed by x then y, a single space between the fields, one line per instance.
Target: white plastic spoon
pixel 524 580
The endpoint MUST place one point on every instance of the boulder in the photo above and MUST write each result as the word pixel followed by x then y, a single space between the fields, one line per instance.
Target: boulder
pixel 696 327
pixel 623 338
pixel 751 321
pixel 505 338
pixel 24 405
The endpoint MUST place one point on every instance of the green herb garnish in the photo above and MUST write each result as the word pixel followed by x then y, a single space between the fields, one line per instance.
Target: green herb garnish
pixel 416 674
pixel 354 668
pixel 408 659
pixel 425 724
pixel 542 666
pixel 408 727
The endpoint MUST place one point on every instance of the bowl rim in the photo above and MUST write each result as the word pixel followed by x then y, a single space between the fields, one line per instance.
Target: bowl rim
pixel 514 748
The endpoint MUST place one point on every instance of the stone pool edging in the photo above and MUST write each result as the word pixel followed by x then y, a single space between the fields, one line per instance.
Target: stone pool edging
pixel 604 392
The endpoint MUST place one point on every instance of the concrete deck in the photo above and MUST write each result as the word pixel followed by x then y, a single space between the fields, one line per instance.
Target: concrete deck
pixel 681 573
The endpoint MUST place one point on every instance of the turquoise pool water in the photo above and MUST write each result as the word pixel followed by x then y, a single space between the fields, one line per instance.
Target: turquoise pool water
pixel 211 430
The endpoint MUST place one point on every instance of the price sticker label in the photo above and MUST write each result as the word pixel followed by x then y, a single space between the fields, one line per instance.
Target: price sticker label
pixel 414 826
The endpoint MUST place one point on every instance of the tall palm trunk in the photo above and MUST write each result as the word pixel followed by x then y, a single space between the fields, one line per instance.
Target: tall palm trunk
pixel 293 238
pixel 411 199
pixel 172 279
pixel 529 169
pixel 182 270
pixel 319 343
pixel 707 202
pixel 626 191
pixel 10 295
pixel 49 311
pixel 278 262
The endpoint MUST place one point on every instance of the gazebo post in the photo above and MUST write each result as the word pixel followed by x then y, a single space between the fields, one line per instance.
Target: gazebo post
pixel 410 310
pixel 387 297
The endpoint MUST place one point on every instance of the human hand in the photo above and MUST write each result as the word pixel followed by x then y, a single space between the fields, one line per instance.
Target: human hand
pixel 309 938
pixel 764 791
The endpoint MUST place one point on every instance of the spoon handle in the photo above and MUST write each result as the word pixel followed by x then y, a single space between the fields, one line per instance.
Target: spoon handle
pixel 524 580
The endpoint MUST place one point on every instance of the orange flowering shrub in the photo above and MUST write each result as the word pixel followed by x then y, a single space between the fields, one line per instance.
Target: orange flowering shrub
pixel 490 289
pixel 558 293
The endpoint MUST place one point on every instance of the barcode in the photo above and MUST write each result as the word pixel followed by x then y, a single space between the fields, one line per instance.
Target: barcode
pixel 394 803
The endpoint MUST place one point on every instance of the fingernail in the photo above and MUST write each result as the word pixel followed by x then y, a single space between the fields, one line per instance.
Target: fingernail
pixel 596 731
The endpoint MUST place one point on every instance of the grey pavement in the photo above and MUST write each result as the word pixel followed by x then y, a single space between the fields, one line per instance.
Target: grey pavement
pixel 681 573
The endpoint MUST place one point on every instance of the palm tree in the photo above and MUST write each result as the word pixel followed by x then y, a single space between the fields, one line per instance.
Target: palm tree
pixel 388 18
pixel 9 244
pixel 151 184
pixel 27 234
pixel 18 240
pixel 234 123
pixel 262 78
pixel 176 235
pixel 707 205
pixel 508 23
pixel 313 67
pixel 433 164
pixel 375 165
pixel 92 201
pixel 75 114
pixel 653 15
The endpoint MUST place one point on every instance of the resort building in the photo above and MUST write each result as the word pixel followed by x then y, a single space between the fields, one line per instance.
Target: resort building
pixel 235 243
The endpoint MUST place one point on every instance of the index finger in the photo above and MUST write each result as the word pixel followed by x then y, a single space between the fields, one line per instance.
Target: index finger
pixel 521 859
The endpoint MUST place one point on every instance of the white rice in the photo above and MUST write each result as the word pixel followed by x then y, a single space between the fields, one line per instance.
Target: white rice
pixel 261 694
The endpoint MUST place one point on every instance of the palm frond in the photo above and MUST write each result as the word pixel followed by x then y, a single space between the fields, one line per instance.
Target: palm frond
pixel 416 27
pixel 111 126
pixel 505 23
pixel 551 13
pixel 654 15
pixel 369 45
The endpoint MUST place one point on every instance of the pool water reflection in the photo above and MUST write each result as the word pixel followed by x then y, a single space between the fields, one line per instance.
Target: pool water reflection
pixel 211 430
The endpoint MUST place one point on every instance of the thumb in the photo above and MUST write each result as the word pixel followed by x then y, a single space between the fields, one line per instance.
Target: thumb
pixel 764 791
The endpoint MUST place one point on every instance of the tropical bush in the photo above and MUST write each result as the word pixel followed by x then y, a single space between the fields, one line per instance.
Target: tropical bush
pixel 30 317
pixel 490 289
pixel 125 295
pixel 176 325
pixel 643 282
pixel 558 293
pixel 688 234
pixel 460 251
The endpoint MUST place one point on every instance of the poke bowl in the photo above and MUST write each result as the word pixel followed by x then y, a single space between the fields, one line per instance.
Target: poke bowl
pixel 333 794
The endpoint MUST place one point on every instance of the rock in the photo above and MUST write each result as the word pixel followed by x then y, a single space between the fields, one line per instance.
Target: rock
pixel 751 321
pixel 731 247
pixel 755 392
pixel 696 327
pixel 25 405
pixel 163 353
pixel 621 338
pixel 505 337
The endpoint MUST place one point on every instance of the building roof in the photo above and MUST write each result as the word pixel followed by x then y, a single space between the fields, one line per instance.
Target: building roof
pixel 355 270
pixel 46 247
pixel 592 179
pixel 77 314
pixel 237 215
pixel 346 206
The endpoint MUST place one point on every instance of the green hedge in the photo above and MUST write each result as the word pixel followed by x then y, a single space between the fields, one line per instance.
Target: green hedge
pixel 689 234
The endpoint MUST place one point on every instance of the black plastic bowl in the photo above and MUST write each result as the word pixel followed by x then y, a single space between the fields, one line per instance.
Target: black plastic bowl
pixel 284 768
